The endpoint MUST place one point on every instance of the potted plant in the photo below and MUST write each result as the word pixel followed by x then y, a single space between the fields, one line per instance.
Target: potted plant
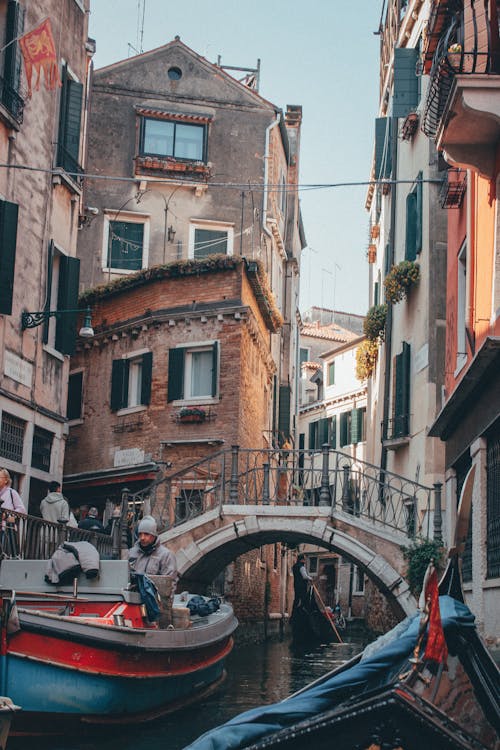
pixel 374 323
pixel 366 359
pixel 372 253
pixel 400 279
pixel 192 414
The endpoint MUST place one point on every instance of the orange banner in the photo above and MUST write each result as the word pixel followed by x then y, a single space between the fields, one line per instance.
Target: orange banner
pixel 39 53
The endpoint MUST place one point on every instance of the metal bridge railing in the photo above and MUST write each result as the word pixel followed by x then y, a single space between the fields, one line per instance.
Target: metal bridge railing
pixel 323 477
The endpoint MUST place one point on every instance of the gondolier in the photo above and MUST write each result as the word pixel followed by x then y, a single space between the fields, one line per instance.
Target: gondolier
pixel 301 581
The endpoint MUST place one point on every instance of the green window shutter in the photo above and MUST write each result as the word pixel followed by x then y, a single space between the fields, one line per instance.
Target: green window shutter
pixel 8 237
pixel 356 426
pixel 331 373
pixel 344 429
pixel 175 374
pixel 70 123
pixel 383 147
pixel 312 435
pixel 215 367
pixel 67 299
pixel 402 392
pixel 411 223
pixel 376 293
pixel 119 384
pixel 418 216
pixel 333 432
pixel 13 57
pixel 48 293
pixel 147 374
pixel 387 259
pixel 322 432
pixel 284 413
pixel 75 391
pixel 406 82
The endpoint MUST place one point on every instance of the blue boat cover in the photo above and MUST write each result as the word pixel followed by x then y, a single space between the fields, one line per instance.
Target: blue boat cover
pixel 379 665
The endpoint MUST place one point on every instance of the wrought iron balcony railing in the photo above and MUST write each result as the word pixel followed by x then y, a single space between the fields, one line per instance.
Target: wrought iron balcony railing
pixel 395 428
pixel 465 48
pixel 12 101
pixel 69 164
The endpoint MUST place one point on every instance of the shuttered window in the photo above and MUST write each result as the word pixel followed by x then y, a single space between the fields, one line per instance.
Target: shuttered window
pixel 313 435
pixel 332 432
pixel 67 299
pixel 70 124
pixel 345 429
pixel 331 373
pixel 358 425
pixel 8 239
pixel 193 372
pixel 401 402
pixel 383 148
pixel 131 381
pixel 13 61
pixel 284 414
pixel 75 394
pixel 406 82
pixel 414 221
pixel 323 432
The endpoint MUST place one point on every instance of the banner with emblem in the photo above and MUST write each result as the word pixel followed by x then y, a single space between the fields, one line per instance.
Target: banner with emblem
pixel 39 54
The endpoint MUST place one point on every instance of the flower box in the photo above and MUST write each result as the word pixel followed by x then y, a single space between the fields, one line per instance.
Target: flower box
pixel 191 414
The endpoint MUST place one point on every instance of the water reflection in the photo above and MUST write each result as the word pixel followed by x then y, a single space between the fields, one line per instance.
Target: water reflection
pixel 258 674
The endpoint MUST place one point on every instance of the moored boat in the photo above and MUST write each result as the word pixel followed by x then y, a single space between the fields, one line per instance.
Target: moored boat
pixel 86 654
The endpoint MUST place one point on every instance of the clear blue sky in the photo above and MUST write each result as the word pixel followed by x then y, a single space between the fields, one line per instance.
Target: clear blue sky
pixel 321 54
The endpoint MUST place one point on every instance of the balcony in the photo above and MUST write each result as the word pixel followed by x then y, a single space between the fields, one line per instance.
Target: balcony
pixel 462 109
pixel 396 432
pixel 12 102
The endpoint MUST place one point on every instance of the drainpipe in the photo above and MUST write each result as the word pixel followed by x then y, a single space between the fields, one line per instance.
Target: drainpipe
pixel 388 328
pixel 266 174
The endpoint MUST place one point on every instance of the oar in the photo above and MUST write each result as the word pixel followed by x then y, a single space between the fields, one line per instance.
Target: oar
pixel 327 613
pixel 44 595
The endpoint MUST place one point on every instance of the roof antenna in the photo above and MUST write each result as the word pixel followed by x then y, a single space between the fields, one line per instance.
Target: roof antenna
pixel 141 12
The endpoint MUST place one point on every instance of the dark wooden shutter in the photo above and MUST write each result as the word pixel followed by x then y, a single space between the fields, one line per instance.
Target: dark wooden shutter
pixel 70 123
pixel 284 413
pixel 175 374
pixel 67 299
pixel 418 217
pixel 147 375
pixel 119 384
pixel 8 238
pixel 411 223
pixel 75 390
pixel 402 392
pixel 13 58
pixel 312 435
pixel 387 259
pixel 406 82
pixel 376 293
pixel 48 292
pixel 322 432
pixel 356 426
pixel 333 432
pixel 215 367
pixel 344 429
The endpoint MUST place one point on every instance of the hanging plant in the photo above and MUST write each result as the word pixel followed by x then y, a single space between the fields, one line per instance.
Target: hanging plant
pixel 418 557
pixel 366 359
pixel 374 323
pixel 400 279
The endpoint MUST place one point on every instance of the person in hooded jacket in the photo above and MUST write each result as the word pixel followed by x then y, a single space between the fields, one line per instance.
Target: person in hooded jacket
pixel 54 506
pixel 91 521
pixel 148 555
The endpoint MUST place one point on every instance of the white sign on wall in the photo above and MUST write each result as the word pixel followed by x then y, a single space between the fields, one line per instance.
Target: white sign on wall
pixel 18 369
pixel 129 457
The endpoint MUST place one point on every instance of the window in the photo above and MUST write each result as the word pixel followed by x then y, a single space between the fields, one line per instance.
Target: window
pixel 193 371
pixel 180 140
pixel 313 435
pixel 331 373
pixel 313 564
pixel 11 28
pixel 8 240
pixel 358 425
pixel 401 396
pixel 63 274
pixel 383 147
pixel 70 117
pixel 406 81
pixel 188 504
pixel 332 431
pixel 210 238
pixel 284 413
pixel 131 381
pixel 75 396
pixel 359 584
pixel 126 242
pixel 282 201
pixel 12 437
pixel 41 449
pixel 345 429
pixel 413 244
pixel 461 306
pixel 303 356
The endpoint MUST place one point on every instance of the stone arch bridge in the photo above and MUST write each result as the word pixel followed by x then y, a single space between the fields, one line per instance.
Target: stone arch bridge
pixel 221 507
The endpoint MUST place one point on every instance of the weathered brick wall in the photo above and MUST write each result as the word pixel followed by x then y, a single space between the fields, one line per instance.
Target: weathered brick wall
pixel 379 614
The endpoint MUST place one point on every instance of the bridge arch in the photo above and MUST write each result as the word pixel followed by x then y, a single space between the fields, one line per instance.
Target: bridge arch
pixel 207 544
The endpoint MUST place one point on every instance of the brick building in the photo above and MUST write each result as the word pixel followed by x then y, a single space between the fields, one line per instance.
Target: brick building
pixel 41 150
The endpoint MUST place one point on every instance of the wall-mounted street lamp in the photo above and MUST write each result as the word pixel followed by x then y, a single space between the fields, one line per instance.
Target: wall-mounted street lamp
pixel 34 319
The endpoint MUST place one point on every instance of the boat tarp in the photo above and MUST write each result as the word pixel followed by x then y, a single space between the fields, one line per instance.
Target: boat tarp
pixel 380 664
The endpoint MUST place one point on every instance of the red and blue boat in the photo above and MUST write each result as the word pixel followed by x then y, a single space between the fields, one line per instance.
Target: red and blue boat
pixel 86 654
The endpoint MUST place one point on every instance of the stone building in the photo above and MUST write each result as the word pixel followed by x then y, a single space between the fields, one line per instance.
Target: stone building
pixel 41 153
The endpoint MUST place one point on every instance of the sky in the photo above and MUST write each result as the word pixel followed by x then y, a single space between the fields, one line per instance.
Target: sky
pixel 322 55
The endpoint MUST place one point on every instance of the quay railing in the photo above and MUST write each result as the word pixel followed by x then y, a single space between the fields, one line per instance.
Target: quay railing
pixel 325 477
pixel 32 538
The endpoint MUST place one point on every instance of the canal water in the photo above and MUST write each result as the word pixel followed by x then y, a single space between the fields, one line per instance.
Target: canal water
pixel 257 674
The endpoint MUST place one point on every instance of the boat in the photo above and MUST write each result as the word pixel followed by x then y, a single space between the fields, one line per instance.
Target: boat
pixel 428 683
pixel 86 654
pixel 312 622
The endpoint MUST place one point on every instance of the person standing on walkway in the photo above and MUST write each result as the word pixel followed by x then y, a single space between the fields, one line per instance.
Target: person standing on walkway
pixel 91 522
pixel 10 500
pixel 54 506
